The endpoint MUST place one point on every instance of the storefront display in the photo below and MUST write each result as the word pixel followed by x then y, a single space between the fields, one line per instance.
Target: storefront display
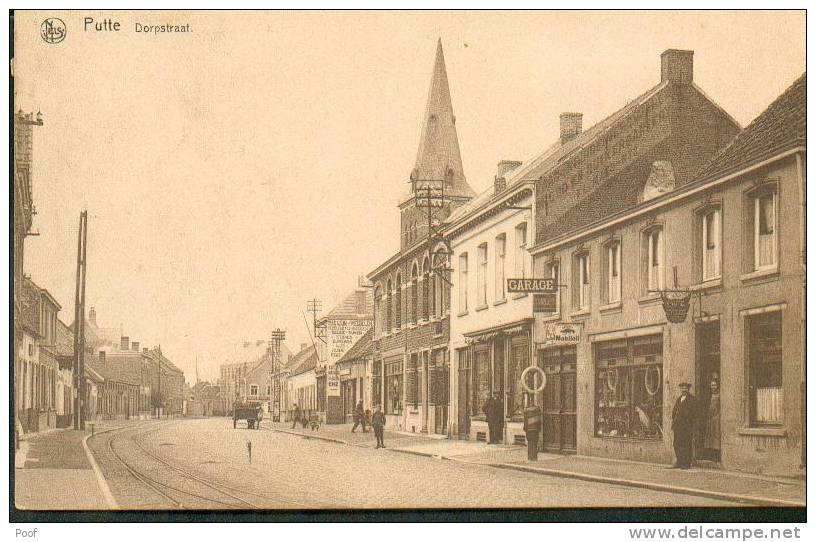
pixel 628 388
pixel 393 386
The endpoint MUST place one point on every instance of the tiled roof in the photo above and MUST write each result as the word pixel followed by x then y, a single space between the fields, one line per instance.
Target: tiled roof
pixel 359 349
pixel 348 307
pixel 780 127
pixel 65 340
pixel 542 164
pixel 303 361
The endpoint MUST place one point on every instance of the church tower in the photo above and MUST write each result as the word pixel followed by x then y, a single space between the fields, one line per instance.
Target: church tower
pixel 438 159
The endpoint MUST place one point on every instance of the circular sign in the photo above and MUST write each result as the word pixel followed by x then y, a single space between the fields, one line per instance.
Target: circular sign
pixel 524 374
pixel 53 30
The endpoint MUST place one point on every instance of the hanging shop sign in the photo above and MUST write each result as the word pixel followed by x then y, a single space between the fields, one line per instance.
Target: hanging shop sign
pixel 545 303
pixel 561 334
pixel 531 286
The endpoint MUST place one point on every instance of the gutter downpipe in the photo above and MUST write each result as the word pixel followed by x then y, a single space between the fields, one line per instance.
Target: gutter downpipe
pixel 800 171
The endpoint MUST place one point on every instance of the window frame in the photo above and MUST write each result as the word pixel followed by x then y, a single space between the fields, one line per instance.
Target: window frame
pixel 463 286
pixel 500 261
pixel 612 294
pixel 749 323
pixel 704 241
pixel 582 281
pixel 481 275
pixel 648 253
pixel 757 195
pixel 521 250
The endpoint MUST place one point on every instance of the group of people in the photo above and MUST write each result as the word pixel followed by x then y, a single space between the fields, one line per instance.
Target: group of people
pixel 361 417
pixel 306 420
pixel 690 418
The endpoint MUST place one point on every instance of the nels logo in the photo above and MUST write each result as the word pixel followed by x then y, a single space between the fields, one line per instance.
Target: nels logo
pixel 53 30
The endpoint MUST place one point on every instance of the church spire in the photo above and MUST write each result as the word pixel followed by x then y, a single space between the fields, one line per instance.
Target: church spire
pixel 438 156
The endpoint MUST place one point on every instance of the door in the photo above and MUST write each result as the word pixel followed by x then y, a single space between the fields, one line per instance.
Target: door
pixel 559 427
pixel 709 390
pixel 465 393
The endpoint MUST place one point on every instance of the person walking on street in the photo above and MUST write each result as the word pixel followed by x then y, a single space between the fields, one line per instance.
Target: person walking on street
pixel 494 412
pixel 378 423
pixel 295 416
pixel 684 417
pixel 359 417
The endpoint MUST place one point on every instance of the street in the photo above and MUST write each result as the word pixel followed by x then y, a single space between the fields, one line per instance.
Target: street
pixel 204 464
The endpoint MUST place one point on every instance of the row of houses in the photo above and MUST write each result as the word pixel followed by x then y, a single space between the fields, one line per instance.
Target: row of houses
pixel 663 245
pixel 121 380
pixel 667 205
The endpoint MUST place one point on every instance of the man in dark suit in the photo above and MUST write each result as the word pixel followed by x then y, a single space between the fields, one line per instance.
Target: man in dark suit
pixel 494 412
pixel 684 419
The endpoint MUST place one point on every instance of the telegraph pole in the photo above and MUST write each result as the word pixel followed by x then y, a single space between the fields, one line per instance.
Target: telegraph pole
pixel 275 339
pixel 79 324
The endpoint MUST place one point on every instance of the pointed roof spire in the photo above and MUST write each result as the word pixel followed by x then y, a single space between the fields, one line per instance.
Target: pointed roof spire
pixel 438 156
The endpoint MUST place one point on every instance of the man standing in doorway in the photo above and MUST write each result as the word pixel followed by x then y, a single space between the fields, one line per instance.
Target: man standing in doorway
pixel 684 417
pixel 494 412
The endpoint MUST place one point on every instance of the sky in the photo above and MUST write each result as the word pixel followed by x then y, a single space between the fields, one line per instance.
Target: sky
pixel 236 171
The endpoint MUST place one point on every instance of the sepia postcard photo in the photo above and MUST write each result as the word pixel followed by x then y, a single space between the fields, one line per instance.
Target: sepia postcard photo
pixel 362 261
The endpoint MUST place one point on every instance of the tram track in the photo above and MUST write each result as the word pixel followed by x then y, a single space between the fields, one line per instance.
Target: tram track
pixel 176 487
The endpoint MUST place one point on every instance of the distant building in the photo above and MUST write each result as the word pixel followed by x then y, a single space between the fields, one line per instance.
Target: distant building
pixel 36 369
pixel 301 383
pixel 247 375
pixel 336 332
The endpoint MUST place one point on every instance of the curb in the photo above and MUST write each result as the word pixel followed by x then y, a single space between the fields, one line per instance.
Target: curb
pixel 733 497
pixel 665 488
pixel 100 478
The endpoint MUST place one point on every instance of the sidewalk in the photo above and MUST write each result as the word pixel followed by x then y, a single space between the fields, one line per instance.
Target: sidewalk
pixel 728 486
pixel 54 471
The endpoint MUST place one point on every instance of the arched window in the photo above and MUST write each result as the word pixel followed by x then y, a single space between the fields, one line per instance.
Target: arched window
pixel 426 286
pixel 388 307
pixel 398 302
pixel 414 292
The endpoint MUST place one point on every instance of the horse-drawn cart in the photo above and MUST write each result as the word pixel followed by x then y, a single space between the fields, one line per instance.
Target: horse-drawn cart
pixel 252 413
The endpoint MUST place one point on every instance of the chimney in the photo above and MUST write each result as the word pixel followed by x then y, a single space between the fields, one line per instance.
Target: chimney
pixel 125 345
pixel 570 126
pixel 504 167
pixel 677 66
pixel 102 357
pixel 92 316
pixel 135 346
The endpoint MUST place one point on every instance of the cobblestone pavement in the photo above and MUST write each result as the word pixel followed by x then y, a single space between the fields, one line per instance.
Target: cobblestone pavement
pixel 294 472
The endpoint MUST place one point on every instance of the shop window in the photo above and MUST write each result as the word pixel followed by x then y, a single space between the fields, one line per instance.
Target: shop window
pixel 481 379
pixel 438 385
pixel 710 243
pixel 628 388
pixel 481 276
pixel 653 256
pixel 393 387
pixel 612 272
pixel 463 286
pixel 412 385
pixel 376 383
pixel 501 247
pixel 580 278
pixel 765 371
pixel 519 360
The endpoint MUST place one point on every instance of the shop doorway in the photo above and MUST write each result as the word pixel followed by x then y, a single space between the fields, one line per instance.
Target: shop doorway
pixel 559 434
pixel 465 393
pixel 708 387
pixel 348 390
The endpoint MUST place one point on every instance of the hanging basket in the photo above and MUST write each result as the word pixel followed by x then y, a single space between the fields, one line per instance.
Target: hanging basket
pixel 676 305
